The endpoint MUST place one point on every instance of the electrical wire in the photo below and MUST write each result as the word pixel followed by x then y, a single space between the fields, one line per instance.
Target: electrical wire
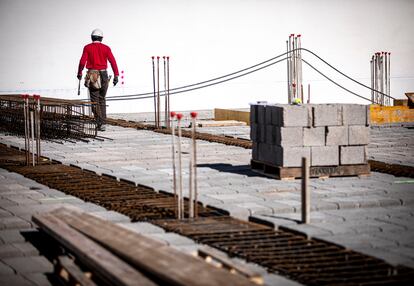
pixel 143 96
pixel 202 84
pixel 334 82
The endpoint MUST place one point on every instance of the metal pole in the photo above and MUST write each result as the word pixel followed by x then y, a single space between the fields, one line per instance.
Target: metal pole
pixel 32 136
pixel 386 78
pixel 299 63
pixel 158 92
pixel 308 93
pixel 305 191
pixel 166 117
pixel 194 162
pixel 180 172
pixel 172 114
pixel 372 78
pixel 26 143
pixel 287 69
pixel 37 119
pixel 79 87
pixel 168 87
pixel 389 78
pixel 155 98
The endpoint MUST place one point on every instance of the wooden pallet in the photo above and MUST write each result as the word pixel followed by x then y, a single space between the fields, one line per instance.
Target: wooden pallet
pixel 284 173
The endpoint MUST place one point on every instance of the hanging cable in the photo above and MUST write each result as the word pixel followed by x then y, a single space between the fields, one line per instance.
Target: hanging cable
pixel 334 82
pixel 143 96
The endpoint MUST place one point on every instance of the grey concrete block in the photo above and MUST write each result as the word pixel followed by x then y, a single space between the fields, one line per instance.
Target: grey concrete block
pixel 253 132
pixel 255 151
pixel 271 134
pixel 261 133
pixel 291 115
pixel 324 156
pixel 253 113
pixel 358 135
pixel 288 136
pixel 327 115
pixel 29 264
pixel 261 114
pixel 352 155
pixel 265 152
pixel 268 115
pixel 314 136
pixel 290 156
pixel 354 114
pixel 336 135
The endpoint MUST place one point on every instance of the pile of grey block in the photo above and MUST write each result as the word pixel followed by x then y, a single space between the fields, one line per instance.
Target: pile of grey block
pixel 327 134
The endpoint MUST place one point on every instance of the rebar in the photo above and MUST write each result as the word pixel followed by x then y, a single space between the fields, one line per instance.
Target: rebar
pixel 55 118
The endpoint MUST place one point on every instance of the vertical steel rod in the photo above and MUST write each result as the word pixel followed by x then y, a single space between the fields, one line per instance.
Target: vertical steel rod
pixel 168 88
pixel 194 166
pixel 287 69
pixel 308 93
pixel 305 191
pixel 166 117
pixel 32 135
pixel 180 172
pixel 158 93
pixel 155 98
pixel 389 78
pixel 172 114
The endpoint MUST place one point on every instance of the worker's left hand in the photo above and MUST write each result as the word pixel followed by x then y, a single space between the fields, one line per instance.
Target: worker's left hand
pixel 115 80
pixel 79 76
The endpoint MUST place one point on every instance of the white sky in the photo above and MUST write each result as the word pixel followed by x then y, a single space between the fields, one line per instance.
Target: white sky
pixel 41 43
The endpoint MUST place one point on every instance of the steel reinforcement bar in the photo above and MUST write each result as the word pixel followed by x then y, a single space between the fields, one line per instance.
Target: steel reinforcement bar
pixel 59 119
pixel 309 261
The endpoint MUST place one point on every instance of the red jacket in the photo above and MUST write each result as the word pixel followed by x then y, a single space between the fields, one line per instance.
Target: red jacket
pixel 96 56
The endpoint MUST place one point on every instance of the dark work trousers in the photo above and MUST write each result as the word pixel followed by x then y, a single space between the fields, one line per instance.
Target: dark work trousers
pixel 98 96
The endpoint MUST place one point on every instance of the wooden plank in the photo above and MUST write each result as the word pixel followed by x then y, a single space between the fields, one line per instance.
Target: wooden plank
pixel 167 264
pixel 209 253
pixel 68 271
pixel 103 263
pixel 315 171
pixel 391 114
pixel 220 123
pixel 228 114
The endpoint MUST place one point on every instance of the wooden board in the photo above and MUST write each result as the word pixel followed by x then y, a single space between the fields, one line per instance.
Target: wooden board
pixel 168 265
pixel 228 114
pixel 391 114
pixel 320 171
pixel 220 123
pixel 104 264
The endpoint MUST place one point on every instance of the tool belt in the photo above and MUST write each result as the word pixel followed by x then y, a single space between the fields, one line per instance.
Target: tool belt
pixel 93 79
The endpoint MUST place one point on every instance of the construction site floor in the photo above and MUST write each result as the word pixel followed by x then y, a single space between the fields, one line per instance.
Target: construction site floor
pixel 372 214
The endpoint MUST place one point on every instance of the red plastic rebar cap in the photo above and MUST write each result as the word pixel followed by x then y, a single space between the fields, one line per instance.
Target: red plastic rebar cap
pixel 299 35
pixel 163 57
pixel 122 82
pixel 158 57
pixel 36 96
pixel 179 116
pixel 193 114
pixel 294 84
pixel 168 57
pixel 389 53
pixel 122 71
pixel 152 57
pixel 292 35
pixel 172 114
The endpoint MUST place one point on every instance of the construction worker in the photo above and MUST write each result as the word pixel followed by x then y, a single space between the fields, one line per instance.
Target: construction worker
pixel 96 56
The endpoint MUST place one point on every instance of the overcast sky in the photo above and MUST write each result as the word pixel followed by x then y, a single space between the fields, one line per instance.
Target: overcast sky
pixel 41 43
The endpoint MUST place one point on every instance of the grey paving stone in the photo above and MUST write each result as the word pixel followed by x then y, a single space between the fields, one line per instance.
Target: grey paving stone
pixel 14 223
pixel 15 280
pixel 26 249
pixel 13 235
pixel 29 264
pixel 7 250
pixel 39 279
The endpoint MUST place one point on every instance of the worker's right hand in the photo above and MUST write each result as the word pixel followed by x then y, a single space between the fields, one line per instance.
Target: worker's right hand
pixel 115 80
pixel 79 76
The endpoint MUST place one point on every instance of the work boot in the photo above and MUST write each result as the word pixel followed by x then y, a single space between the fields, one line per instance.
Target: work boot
pixel 101 128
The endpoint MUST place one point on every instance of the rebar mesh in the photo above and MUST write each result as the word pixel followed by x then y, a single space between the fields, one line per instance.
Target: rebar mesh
pixel 60 119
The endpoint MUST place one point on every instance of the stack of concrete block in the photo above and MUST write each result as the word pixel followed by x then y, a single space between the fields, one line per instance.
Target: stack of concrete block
pixel 327 134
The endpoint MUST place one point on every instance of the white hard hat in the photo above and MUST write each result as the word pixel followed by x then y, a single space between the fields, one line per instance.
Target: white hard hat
pixel 97 32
